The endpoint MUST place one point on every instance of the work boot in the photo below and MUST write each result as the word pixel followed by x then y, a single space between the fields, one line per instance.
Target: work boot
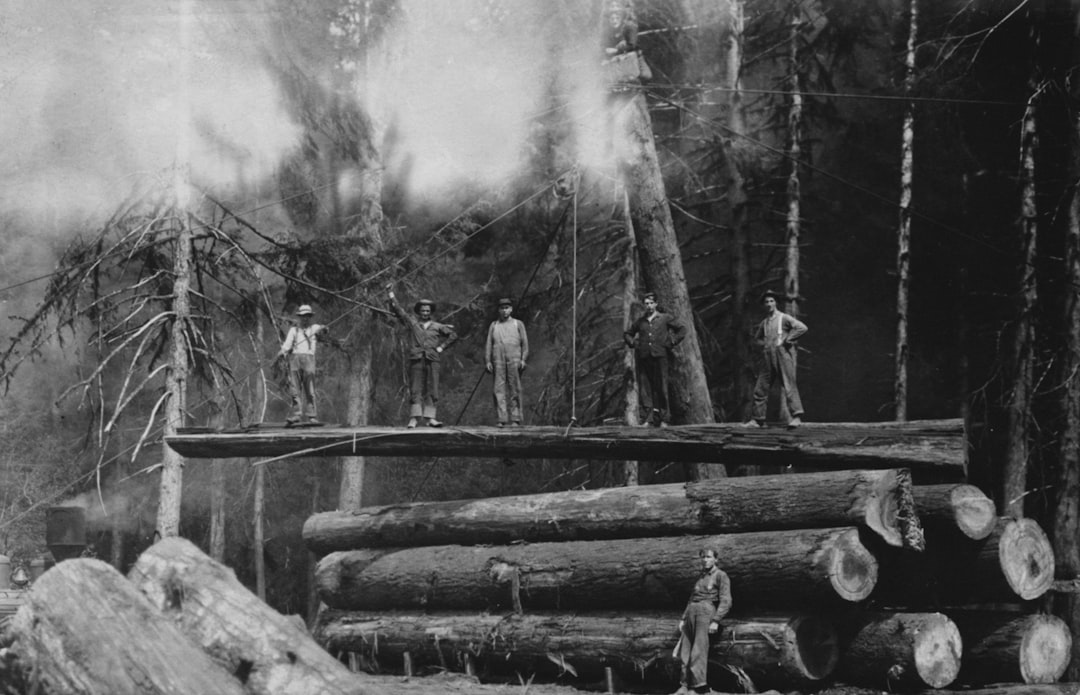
pixel 412 423
pixel 432 422
pixel 291 420
pixel 501 424
pixel 751 423
pixel 517 423
pixel 794 422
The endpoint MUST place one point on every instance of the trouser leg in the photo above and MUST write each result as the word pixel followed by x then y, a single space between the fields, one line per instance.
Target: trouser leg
pixel 295 388
pixel 307 384
pixel 659 378
pixel 431 395
pixel 416 379
pixel 763 385
pixel 513 387
pixel 694 651
pixel 644 385
pixel 787 364
pixel 499 387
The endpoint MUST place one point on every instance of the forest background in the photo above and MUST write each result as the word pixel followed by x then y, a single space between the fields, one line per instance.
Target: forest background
pixel 318 152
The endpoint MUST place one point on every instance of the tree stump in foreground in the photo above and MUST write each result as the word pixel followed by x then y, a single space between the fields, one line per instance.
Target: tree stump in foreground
pixel 86 630
pixel 268 651
pixel 887 650
pixel 1009 649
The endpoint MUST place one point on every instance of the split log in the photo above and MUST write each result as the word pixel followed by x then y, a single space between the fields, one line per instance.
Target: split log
pixel 958 506
pixel 878 499
pixel 779 651
pixel 1002 648
pixel 267 650
pixel 766 569
pixel 933 447
pixel 1015 561
pixel 85 629
pixel 1004 689
pixel 891 650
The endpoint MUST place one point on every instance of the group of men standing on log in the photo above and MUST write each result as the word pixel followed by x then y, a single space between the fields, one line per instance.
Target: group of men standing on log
pixel 654 337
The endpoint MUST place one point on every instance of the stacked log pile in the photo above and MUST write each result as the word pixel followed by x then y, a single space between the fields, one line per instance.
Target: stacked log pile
pixel 844 577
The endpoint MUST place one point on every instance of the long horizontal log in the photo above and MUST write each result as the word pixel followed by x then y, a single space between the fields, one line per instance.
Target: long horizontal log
pixel 273 654
pixel 85 629
pixel 775 651
pixel 933 445
pixel 880 500
pixel 766 569
pixel 1004 689
pixel 1016 561
pixel 1003 648
pixel 899 650
pixel 958 506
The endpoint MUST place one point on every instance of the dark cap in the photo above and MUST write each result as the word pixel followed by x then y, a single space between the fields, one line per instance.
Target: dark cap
pixel 769 293
pixel 506 301
pixel 649 295
pixel 423 302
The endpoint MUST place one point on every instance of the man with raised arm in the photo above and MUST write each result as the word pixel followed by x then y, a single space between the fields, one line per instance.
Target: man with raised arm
pixel 427 341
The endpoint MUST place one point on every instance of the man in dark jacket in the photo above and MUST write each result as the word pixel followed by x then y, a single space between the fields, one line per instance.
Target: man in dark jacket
pixel 653 337
pixel 427 341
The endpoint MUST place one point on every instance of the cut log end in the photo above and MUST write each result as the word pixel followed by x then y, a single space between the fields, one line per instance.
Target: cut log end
pixel 817 651
pixel 852 568
pixel 975 512
pixel 1045 650
pixel 937 653
pixel 1027 558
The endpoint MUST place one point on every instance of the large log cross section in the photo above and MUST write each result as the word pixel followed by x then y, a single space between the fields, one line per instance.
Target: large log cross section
pixel 930 444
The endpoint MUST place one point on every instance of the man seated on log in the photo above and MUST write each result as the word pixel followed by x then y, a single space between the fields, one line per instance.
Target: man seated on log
pixel 622 28
pixel 506 351
pixel 710 601
pixel 299 349
pixel 654 336
pixel 777 335
pixel 427 341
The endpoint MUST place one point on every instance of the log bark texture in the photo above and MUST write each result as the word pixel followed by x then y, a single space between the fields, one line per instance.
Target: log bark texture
pixel 778 651
pixel 766 569
pixel 1014 561
pixel 959 506
pixel 891 651
pixel 1003 689
pixel 86 630
pixel 1002 648
pixel 880 500
pixel 931 447
pixel 270 652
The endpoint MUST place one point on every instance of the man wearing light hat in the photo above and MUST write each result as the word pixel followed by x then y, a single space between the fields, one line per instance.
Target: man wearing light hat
pixel 299 347
pixel 506 352
pixel 428 340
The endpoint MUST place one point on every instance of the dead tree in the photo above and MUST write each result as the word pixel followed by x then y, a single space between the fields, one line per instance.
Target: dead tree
pixel 903 242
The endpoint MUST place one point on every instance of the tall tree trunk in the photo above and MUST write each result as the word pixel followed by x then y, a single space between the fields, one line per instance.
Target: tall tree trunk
pixel 661 259
pixel 1016 456
pixel 740 239
pixel 630 468
pixel 351 492
pixel 903 245
pixel 1067 508
pixel 791 260
pixel 176 377
pixel 259 540
pixel 217 510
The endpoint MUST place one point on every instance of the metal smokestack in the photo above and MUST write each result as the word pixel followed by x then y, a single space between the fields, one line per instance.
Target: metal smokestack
pixel 65 531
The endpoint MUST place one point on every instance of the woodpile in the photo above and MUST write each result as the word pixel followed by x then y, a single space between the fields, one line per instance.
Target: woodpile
pixel 852 578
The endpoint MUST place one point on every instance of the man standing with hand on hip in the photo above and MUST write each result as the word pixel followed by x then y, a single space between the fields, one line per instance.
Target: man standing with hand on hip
pixel 299 349
pixel 506 352
pixel 654 336
pixel 777 334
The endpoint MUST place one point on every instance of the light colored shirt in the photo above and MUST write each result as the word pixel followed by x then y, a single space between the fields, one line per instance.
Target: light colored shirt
pixel 300 340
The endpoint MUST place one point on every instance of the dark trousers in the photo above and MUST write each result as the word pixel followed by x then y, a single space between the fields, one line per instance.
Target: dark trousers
pixel 423 387
pixel 302 385
pixel 694 648
pixel 779 364
pixel 652 376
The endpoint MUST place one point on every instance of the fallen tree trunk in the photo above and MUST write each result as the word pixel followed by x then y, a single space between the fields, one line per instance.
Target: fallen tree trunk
pixel 766 569
pixel 1004 689
pixel 956 506
pixel 778 651
pixel 86 629
pixel 1015 561
pixel 933 447
pixel 268 651
pixel 891 650
pixel 880 500
pixel 1002 648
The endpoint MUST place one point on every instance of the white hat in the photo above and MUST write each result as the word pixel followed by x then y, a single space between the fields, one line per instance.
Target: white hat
pixel 304 310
